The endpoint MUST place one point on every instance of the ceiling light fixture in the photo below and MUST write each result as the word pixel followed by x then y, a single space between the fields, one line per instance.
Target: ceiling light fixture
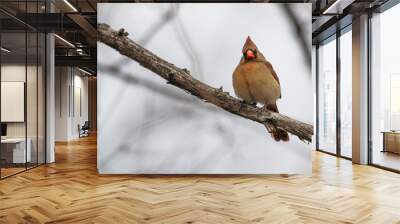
pixel 327 11
pixel 70 5
pixel 64 40
pixel 79 51
pixel 5 50
pixel 84 71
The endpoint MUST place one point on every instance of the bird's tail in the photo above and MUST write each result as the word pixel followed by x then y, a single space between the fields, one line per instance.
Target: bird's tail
pixel 277 134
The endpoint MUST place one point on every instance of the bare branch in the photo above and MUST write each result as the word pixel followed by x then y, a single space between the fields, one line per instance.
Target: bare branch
pixel 181 78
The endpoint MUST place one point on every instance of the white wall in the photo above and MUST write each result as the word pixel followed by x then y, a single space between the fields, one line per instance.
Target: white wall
pixel 79 117
pixel 18 73
pixel 143 131
pixel 67 116
pixel 61 103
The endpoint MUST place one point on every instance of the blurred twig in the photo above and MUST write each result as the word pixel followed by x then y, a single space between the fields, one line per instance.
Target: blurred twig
pixel 150 85
pixel 188 47
pixel 181 78
pixel 151 32
pixel 298 29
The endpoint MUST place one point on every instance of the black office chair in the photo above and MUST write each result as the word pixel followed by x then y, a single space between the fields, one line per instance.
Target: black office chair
pixel 84 130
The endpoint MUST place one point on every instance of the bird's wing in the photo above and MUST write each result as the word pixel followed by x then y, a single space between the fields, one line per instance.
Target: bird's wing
pixel 272 71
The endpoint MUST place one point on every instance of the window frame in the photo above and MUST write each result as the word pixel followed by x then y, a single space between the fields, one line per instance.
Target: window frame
pixel 334 37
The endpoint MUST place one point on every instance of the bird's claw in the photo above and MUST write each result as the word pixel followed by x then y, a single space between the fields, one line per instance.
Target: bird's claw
pixel 244 102
pixel 241 105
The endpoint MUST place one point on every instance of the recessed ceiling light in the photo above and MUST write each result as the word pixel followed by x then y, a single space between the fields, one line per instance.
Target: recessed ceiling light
pixel 331 7
pixel 337 7
pixel 84 71
pixel 64 40
pixel 5 50
pixel 70 5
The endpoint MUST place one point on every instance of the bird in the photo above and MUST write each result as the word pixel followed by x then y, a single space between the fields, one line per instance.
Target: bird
pixel 255 81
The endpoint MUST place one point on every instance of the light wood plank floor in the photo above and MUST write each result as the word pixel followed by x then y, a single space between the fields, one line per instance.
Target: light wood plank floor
pixel 71 191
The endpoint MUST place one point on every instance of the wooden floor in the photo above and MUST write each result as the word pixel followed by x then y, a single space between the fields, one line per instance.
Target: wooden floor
pixel 386 159
pixel 71 191
pixel 5 172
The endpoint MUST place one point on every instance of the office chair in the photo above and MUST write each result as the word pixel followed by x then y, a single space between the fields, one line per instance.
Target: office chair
pixel 84 130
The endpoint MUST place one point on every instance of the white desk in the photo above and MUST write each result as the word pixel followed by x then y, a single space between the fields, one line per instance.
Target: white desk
pixel 19 149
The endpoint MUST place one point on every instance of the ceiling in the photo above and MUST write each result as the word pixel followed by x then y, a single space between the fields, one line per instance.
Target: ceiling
pixel 332 15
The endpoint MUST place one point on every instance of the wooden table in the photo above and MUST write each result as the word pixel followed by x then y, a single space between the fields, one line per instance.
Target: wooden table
pixel 391 141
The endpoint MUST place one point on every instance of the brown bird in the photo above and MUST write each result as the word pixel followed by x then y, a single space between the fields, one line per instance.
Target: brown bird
pixel 255 81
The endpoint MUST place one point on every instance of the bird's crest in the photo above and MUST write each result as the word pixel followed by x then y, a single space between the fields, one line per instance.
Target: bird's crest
pixel 249 45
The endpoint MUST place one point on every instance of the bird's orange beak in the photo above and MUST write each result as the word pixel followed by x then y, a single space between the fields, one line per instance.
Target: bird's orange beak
pixel 250 55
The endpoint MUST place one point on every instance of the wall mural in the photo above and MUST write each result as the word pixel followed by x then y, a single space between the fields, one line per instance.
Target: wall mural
pixel 195 89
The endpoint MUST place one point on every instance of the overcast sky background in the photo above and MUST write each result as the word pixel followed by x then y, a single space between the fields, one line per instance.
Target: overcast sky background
pixel 143 131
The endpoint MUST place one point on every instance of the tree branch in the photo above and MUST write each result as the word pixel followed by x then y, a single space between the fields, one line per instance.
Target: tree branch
pixel 181 78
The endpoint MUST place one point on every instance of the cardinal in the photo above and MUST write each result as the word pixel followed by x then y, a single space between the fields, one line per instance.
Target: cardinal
pixel 255 81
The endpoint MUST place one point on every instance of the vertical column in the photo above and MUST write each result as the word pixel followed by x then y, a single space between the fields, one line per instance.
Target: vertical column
pixel 50 92
pixel 338 91
pixel 360 90
pixel 314 67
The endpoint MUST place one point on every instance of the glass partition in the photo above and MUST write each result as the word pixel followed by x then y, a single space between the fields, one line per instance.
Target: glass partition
pixel 346 93
pixel 32 86
pixel 327 96
pixel 22 101
pixel 13 109
pixel 31 100
pixel 385 89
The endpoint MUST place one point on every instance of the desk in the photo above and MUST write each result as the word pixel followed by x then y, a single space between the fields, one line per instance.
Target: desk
pixel 15 148
pixel 391 141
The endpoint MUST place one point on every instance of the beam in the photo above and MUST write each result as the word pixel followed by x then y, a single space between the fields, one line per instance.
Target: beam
pixel 49 22
pixel 83 23
pixel 81 61
pixel 338 6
